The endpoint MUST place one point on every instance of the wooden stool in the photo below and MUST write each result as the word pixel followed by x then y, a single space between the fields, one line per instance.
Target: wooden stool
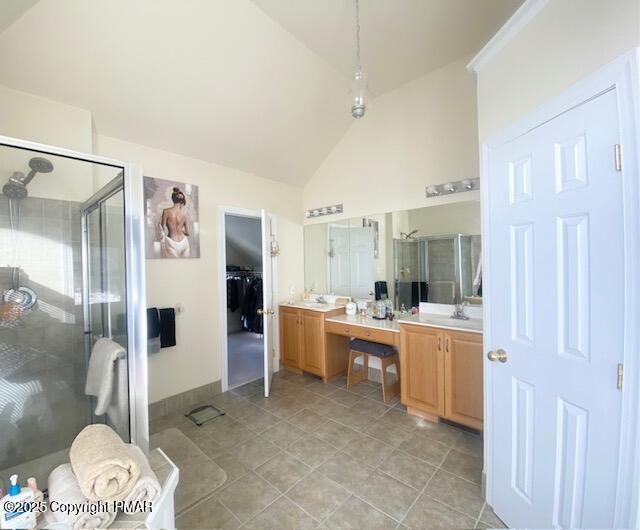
pixel 387 355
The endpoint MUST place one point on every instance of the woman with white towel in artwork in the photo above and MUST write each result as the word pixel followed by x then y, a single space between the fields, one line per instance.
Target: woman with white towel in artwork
pixel 171 219
pixel 175 244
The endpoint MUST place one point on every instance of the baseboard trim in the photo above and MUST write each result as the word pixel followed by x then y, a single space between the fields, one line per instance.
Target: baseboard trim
pixel 184 401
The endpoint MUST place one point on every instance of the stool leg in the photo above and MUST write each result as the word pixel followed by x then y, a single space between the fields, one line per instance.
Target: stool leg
pixel 393 389
pixel 383 366
pixel 354 377
pixel 350 369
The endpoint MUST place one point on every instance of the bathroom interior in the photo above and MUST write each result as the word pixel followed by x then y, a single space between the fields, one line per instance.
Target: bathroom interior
pixel 375 259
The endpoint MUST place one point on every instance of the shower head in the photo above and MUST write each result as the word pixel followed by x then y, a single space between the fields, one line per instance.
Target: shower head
pixel 409 235
pixel 16 188
pixel 37 165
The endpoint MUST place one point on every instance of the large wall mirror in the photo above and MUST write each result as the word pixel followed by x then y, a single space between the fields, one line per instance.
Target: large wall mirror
pixel 430 254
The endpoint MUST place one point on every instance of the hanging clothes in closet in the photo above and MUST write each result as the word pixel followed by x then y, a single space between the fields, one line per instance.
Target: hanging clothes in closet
pixel 244 292
pixel 252 301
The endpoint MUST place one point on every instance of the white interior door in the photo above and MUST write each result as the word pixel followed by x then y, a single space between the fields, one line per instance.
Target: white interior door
pixel 361 257
pixel 339 260
pixel 556 291
pixel 268 310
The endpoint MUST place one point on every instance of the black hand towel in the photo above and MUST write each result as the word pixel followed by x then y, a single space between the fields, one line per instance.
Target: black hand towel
pixel 153 323
pixel 167 327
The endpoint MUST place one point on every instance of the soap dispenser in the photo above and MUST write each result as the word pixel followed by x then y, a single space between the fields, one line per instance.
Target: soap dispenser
pixel 12 507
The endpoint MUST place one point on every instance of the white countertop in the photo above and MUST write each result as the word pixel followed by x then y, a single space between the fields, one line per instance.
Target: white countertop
pixel 313 306
pixel 473 325
pixel 367 322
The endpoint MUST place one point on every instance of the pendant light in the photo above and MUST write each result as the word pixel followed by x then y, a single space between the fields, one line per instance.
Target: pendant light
pixel 360 92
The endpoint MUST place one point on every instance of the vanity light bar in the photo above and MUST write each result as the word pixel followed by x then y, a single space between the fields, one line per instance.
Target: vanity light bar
pixel 325 210
pixel 453 187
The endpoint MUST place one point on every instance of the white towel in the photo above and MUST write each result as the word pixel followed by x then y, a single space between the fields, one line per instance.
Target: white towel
pixel 104 354
pixel 148 488
pixel 103 465
pixel 118 410
pixel 65 489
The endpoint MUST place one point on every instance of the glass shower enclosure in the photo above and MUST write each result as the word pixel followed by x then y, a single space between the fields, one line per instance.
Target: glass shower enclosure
pixel 71 272
pixel 436 269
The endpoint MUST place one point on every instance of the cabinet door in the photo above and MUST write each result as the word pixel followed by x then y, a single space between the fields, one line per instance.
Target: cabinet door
pixel 290 339
pixel 463 378
pixel 313 342
pixel 422 369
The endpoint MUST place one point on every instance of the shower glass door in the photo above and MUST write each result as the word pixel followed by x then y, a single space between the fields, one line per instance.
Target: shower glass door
pixel 71 270
pixel 104 286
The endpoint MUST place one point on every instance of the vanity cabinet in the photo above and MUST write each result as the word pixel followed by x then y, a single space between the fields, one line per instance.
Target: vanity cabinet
pixel 441 374
pixel 312 342
pixel 422 370
pixel 290 337
pixel 463 401
pixel 305 346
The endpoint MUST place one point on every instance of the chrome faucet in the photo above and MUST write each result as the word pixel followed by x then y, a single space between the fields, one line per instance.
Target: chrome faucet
pixel 458 312
pixel 321 299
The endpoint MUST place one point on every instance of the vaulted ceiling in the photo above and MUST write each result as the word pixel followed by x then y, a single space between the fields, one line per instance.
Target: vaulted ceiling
pixel 261 86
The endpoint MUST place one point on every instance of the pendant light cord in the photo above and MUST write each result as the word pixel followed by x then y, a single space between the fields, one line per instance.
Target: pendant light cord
pixel 358 34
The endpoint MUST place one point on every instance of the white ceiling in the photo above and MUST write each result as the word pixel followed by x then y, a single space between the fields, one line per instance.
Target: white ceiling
pixel 401 39
pixel 260 86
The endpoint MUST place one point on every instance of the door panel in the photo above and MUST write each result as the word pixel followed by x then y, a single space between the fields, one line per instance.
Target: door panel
pixel 313 342
pixel 290 324
pixel 463 378
pixel 557 308
pixel 422 368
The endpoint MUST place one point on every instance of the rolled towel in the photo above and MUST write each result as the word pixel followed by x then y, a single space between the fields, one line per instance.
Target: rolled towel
pixel 147 489
pixel 64 489
pixel 103 465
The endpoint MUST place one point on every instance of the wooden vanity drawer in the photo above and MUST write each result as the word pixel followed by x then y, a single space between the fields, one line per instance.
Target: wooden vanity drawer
pixel 361 332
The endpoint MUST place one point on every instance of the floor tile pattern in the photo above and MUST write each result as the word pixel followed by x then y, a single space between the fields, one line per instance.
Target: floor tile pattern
pixel 322 456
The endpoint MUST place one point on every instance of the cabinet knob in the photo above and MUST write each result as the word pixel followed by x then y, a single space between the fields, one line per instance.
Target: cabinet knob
pixel 498 355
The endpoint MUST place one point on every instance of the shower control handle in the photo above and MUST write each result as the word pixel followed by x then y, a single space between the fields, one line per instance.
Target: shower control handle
pixel 266 312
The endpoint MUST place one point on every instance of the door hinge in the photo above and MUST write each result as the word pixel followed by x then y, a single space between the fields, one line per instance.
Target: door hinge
pixel 620 376
pixel 617 153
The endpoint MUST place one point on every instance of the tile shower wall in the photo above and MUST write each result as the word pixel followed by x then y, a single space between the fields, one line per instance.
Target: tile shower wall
pixel 42 357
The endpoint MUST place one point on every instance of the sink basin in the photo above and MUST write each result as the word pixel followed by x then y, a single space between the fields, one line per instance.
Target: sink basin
pixel 313 305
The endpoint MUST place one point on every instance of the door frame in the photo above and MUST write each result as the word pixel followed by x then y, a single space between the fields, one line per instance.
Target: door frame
pixel 222 286
pixel 623 76
pixel 135 279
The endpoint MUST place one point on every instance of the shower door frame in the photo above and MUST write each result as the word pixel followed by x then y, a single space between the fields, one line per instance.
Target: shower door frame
pixel 134 277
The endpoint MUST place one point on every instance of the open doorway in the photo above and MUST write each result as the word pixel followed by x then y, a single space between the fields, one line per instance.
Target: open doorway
pixel 245 341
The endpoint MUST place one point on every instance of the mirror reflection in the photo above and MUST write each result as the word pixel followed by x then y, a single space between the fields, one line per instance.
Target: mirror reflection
pixel 430 254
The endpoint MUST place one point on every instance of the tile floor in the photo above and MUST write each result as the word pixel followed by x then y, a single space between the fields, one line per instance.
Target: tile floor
pixel 245 357
pixel 321 456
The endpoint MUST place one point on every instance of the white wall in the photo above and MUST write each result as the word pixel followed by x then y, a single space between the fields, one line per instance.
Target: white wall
pixel 28 117
pixel 41 120
pixel 195 360
pixel 456 218
pixel 424 132
pixel 567 40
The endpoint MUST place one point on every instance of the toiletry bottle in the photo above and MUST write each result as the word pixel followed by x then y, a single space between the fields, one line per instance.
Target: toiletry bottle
pixel 12 514
pixel 38 496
